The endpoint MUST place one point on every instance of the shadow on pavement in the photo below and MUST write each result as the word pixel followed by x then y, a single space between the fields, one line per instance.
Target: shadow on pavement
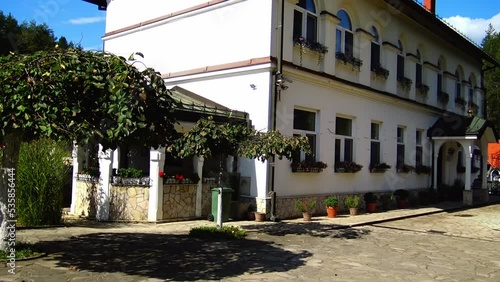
pixel 165 256
pixel 314 229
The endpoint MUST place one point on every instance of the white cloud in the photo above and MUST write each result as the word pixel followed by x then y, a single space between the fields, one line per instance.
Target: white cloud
pixel 87 20
pixel 475 29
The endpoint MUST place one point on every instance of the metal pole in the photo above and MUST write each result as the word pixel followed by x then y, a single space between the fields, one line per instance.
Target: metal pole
pixel 219 209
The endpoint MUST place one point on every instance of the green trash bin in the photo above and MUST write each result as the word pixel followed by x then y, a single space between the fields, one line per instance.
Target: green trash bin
pixel 226 202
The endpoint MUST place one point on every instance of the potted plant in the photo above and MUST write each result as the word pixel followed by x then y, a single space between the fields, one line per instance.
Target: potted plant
pixel 352 202
pixel 370 201
pixel 401 196
pixel 306 207
pixel 384 201
pixel 308 166
pixel 382 167
pixel 331 204
pixel 347 166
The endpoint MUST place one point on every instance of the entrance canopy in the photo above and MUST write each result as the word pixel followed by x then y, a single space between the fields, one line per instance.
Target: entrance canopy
pixel 463 127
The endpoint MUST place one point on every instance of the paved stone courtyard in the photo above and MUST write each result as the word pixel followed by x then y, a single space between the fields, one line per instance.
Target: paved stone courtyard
pixel 460 245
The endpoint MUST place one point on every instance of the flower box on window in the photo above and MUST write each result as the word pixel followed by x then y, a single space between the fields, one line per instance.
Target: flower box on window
pixel 405 83
pixel 308 166
pixel 305 44
pixel 422 89
pixel 422 169
pixel 405 169
pixel 460 101
pixel 348 60
pixel 379 71
pixel 347 167
pixel 379 168
pixel 443 97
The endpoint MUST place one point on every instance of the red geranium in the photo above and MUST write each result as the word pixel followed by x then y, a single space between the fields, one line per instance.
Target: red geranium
pixel 179 177
pixel 161 174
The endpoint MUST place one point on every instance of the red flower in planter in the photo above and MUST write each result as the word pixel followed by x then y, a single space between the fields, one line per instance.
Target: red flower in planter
pixel 161 174
pixel 179 177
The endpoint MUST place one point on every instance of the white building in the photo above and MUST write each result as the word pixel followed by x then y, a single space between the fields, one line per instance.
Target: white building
pixel 392 72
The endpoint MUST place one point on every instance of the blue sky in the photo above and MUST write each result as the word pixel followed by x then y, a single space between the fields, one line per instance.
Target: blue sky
pixel 81 22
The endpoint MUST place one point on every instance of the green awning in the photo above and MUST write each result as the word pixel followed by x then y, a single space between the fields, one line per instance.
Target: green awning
pixel 460 126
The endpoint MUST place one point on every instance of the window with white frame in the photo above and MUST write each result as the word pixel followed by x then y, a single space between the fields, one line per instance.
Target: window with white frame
pixel 304 124
pixel 375 144
pixel 400 62
pixel 375 50
pixel 400 154
pixel 344 141
pixel 305 21
pixel 344 36
pixel 419 152
pixel 418 70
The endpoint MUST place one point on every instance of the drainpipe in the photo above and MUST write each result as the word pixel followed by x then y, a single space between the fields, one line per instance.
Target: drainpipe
pixel 277 91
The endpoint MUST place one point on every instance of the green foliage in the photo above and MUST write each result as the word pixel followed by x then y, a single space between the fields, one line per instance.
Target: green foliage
pixel 211 232
pixel 491 45
pixel 401 194
pixel 130 172
pixel 23 251
pixel 331 201
pixel 41 177
pixel 305 205
pixel 28 37
pixel 370 197
pixel 84 96
pixel 351 201
pixel 208 138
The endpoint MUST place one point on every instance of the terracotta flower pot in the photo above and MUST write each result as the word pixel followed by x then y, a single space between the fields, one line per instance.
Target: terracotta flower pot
pixel 371 207
pixel 260 216
pixel 402 203
pixel 331 211
pixel 307 216
pixel 353 211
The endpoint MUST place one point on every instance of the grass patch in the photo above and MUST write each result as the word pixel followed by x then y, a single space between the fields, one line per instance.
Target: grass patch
pixel 23 251
pixel 211 232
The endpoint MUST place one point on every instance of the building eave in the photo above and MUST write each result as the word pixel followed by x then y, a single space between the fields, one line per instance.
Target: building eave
pixel 101 4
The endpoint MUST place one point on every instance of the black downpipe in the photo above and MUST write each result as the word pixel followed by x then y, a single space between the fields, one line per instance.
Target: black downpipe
pixel 277 91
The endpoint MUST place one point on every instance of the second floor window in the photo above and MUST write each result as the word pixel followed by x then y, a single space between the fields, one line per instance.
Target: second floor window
pixel 305 21
pixel 344 37
pixel 375 49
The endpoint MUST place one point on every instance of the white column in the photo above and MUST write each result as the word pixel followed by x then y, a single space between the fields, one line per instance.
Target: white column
pixel 116 158
pixel 329 22
pixel 105 164
pixel 78 158
pixel 198 168
pixel 156 164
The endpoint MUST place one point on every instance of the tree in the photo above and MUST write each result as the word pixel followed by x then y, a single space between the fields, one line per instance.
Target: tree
pixel 28 37
pixel 208 138
pixel 491 45
pixel 82 96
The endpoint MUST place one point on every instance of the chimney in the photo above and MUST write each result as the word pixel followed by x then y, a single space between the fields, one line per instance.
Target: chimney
pixel 430 5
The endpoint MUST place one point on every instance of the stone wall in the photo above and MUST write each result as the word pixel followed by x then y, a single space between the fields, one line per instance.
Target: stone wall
pixel 206 199
pixel 179 201
pixel 86 198
pixel 128 203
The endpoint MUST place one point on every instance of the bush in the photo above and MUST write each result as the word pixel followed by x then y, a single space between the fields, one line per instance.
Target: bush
pixel 351 201
pixel 211 232
pixel 41 174
pixel 369 197
pixel 331 201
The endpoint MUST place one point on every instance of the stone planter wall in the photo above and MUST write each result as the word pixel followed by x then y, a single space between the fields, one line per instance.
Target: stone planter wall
pixel 206 199
pixel 179 201
pixel 86 197
pixel 129 203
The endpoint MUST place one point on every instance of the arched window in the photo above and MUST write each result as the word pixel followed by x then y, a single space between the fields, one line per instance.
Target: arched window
pixel 458 87
pixel 375 49
pixel 344 35
pixel 305 21
pixel 400 62
pixel 418 76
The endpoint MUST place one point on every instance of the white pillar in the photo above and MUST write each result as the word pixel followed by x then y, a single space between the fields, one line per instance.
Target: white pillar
pixel 156 164
pixel 468 168
pixel 78 158
pixel 116 159
pixel 105 164
pixel 198 168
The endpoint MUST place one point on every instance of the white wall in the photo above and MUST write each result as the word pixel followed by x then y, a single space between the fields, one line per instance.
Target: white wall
pixel 234 91
pixel 330 100
pixel 227 33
